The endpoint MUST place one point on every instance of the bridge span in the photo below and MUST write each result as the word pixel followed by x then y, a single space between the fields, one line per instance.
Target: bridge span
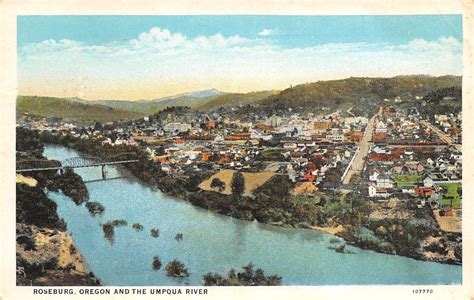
pixel 74 162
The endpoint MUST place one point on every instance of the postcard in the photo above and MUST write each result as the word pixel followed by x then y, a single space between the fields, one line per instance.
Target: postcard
pixel 277 153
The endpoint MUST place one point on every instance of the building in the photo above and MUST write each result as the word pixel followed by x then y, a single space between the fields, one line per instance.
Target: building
pixel 384 181
pixel 273 121
pixel 375 192
pixel 176 127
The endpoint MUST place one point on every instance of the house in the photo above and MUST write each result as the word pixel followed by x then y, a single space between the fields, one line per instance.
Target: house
pixel 384 181
pixel 353 136
pixel 290 145
pixel 377 192
pixel 373 175
pixel 321 125
pixel 309 177
pixel 210 124
pixel 335 136
pixel 408 190
pixel 446 211
pixel 381 127
pixel 423 191
pixel 427 181
pixel 176 127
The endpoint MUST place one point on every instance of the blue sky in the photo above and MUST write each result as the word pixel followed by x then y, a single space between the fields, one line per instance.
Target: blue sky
pixel 125 57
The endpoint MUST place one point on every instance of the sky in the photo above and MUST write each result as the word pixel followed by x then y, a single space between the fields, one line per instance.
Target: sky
pixel 147 57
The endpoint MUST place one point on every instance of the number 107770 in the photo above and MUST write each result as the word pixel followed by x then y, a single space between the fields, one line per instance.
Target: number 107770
pixel 422 291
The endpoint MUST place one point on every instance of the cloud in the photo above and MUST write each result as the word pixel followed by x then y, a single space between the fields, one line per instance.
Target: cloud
pixel 161 60
pixel 156 40
pixel 442 44
pixel 267 32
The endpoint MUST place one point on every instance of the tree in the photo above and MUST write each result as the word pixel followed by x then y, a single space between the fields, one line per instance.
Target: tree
pixel 217 183
pixel 156 263
pixel 238 184
pixel 248 277
pixel 176 268
pixel 154 232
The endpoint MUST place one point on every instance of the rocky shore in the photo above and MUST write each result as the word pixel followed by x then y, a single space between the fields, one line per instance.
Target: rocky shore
pixel 47 257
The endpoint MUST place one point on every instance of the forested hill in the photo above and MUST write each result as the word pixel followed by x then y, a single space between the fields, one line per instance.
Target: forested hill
pixel 363 94
pixel 65 108
pixel 441 101
pixel 235 99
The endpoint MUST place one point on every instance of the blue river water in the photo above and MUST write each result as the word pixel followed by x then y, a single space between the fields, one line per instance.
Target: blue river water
pixel 215 243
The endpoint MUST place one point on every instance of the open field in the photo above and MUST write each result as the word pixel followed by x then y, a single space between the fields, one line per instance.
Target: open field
pixel 448 223
pixel 407 178
pixel 252 181
pixel 407 181
pixel 451 194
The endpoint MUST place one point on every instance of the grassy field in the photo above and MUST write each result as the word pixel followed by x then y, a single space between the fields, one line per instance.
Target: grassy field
pixel 407 181
pixel 407 178
pixel 252 181
pixel 451 194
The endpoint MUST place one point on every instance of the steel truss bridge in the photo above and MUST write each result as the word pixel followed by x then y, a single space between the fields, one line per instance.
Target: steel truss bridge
pixel 75 162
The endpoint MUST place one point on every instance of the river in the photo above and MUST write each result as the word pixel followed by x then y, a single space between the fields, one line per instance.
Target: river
pixel 215 243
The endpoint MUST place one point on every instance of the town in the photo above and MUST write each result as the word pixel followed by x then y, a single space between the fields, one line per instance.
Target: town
pixel 396 156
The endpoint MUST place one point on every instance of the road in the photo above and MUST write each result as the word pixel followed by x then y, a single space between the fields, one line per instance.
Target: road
pixel 442 136
pixel 364 147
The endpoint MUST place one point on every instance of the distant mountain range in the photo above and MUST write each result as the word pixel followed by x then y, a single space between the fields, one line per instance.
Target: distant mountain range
pixel 193 100
pixel 364 95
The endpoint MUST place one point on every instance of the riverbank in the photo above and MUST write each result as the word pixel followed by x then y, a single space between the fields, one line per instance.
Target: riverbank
pixel 338 230
pixel 48 257
pixel 45 253
pixel 273 205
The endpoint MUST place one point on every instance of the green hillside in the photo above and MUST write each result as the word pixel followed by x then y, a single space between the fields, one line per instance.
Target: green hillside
pixel 64 108
pixel 441 101
pixel 363 94
pixel 234 99
pixel 153 106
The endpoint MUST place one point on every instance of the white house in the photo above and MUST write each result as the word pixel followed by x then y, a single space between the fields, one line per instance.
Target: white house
pixel 378 192
pixel 384 181
pixel 427 181
pixel 373 175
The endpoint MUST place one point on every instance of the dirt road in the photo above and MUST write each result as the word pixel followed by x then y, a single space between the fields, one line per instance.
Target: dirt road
pixel 364 146
pixel 442 136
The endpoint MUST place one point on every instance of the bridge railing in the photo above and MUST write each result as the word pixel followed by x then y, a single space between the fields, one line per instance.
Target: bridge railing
pixel 74 162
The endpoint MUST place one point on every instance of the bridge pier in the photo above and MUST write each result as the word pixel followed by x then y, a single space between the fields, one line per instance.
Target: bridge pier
pixel 104 172
pixel 61 171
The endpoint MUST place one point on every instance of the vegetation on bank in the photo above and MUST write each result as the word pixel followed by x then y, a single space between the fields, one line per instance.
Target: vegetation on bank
pixel 33 207
pixel 248 277
pixel 36 214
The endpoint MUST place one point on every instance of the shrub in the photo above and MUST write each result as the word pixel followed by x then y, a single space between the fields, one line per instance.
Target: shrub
pixel 176 268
